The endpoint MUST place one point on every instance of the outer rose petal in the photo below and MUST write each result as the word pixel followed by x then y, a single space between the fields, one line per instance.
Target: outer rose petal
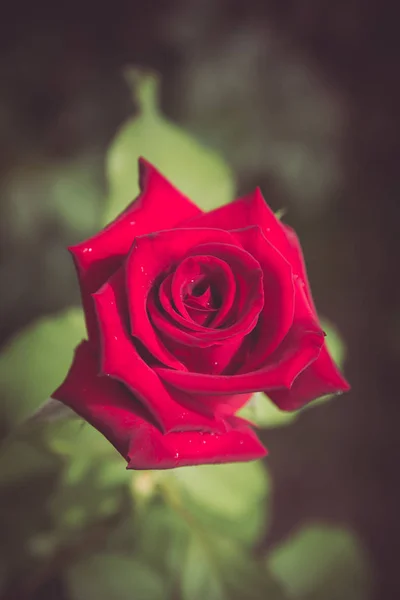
pixel 159 206
pixel 294 255
pixel 250 210
pixel 157 451
pixel 323 376
pixel 121 360
pixel 111 409
pixel 320 378
pixel 276 318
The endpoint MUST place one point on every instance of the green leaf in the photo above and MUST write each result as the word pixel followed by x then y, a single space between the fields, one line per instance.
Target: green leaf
pixel 225 489
pixel 219 570
pixel 231 499
pixel 36 361
pixel 113 577
pixel 194 169
pixel 320 561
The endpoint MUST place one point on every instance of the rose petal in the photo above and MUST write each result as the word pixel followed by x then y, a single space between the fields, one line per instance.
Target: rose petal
pixel 276 318
pixel 220 276
pixel 294 254
pixel 163 297
pixel 250 210
pixel 217 404
pixel 110 408
pixel 323 376
pixel 100 256
pixel 151 256
pixel 320 378
pixel 121 360
pixel 157 451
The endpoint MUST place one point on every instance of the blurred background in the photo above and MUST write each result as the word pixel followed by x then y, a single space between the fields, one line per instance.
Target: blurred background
pixel 300 97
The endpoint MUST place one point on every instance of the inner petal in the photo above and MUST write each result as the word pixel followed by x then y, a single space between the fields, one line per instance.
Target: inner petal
pixel 201 287
pixel 202 304
pixel 201 296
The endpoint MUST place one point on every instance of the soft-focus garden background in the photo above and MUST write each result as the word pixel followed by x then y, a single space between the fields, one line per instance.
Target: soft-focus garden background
pixel 300 97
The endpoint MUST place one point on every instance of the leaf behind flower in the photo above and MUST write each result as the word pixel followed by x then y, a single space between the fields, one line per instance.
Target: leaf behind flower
pixel 199 172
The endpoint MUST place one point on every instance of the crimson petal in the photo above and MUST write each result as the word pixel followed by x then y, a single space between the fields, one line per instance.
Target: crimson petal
pixel 323 376
pixel 157 451
pixel 277 316
pixel 97 258
pixel 320 378
pixel 250 210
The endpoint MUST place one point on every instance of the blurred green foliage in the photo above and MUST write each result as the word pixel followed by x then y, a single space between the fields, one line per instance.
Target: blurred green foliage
pixel 73 512
pixel 36 361
pixel 321 561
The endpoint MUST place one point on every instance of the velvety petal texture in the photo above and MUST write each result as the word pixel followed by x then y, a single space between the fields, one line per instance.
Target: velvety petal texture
pixel 188 314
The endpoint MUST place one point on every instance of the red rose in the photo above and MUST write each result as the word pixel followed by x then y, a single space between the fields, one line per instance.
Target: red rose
pixel 189 313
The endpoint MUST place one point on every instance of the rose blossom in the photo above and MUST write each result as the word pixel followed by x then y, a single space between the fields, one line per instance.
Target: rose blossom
pixel 189 313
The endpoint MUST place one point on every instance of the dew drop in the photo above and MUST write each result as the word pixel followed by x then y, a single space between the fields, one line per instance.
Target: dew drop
pixel 176 455
pixel 132 222
pixel 87 250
